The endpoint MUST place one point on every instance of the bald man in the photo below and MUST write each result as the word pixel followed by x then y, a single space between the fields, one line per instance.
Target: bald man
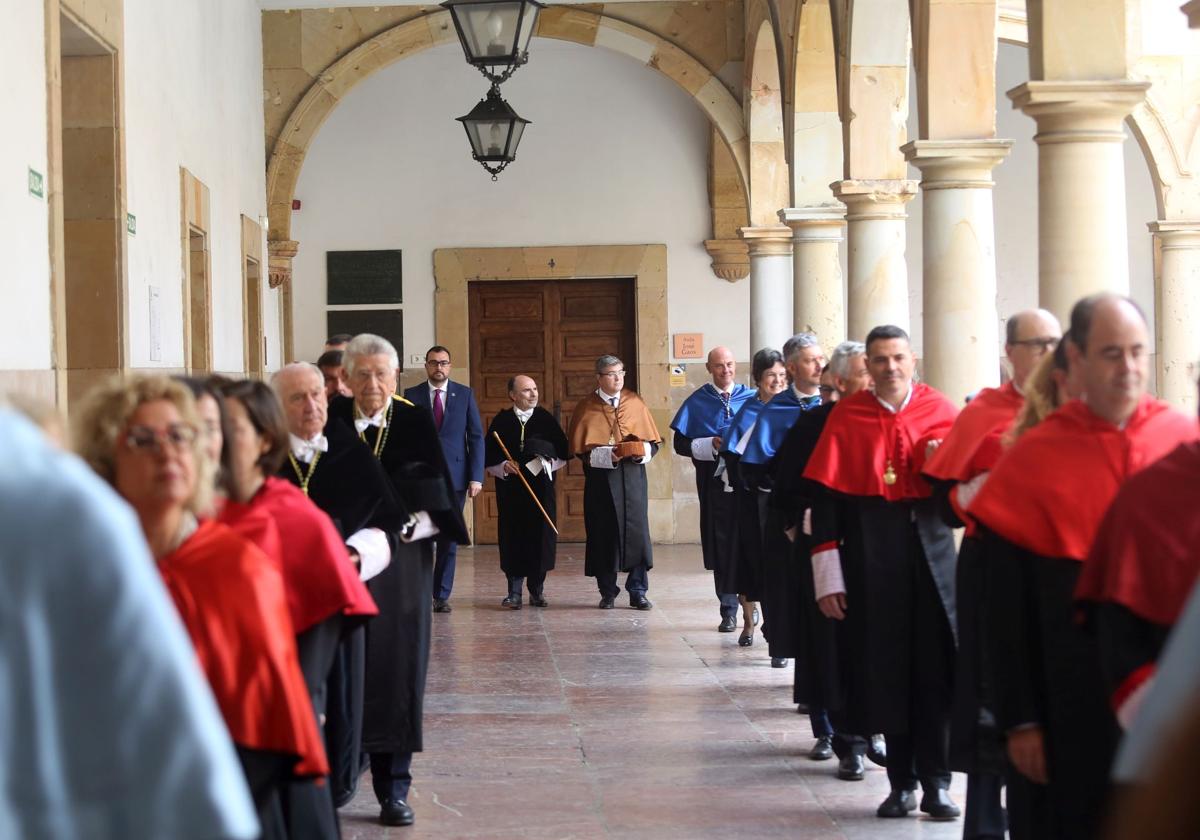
pixel 699 425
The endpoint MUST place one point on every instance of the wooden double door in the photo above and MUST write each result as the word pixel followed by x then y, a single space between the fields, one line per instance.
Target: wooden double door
pixel 552 330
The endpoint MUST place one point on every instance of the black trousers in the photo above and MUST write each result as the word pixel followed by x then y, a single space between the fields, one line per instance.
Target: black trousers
pixel 984 817
pixel 391 775
pixel 534 582
pixel 637 580
pixel 729 600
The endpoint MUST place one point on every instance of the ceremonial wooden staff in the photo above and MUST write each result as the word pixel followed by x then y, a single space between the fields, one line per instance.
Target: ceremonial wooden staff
pixel 521 476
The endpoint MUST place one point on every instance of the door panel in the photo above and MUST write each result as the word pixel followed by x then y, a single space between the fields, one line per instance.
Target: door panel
pixel 553 331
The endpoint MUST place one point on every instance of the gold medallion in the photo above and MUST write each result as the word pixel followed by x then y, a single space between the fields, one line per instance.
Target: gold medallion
pixel 889 475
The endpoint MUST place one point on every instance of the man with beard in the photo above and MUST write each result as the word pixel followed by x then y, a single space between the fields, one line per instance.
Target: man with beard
pixel 883 568
pixel 405 441
pixel 699 427
pixel 538 448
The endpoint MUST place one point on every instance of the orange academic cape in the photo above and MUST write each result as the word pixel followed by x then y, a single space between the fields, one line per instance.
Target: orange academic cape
pixel 596 423
pixel 231 599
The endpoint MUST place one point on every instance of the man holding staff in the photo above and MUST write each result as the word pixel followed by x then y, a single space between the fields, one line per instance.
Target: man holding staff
pixel 523 449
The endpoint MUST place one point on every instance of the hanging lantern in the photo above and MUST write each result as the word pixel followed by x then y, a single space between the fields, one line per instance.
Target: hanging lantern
pixel 494 130
pixel 495 33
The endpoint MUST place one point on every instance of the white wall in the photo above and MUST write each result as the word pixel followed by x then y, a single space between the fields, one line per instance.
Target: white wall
pixel 616 154
pixel 1015 202
pixel 25 326
pixel 193 98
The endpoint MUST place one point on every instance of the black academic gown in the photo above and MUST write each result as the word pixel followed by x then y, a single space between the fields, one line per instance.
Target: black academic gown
pixel 718 519
pixel 750 511
pixel 616 516
pixel 397 644
pixel 349 485
pixel 527 544
pixel 1049 673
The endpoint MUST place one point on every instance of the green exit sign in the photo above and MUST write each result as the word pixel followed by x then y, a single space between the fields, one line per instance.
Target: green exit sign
pixel 131 224
pixel 37 183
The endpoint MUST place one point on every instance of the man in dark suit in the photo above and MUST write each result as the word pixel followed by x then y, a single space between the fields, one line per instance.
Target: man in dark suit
pixel 461 434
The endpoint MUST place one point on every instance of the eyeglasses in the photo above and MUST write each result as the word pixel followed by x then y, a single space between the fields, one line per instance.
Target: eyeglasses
pixel 613 374
pixel 146 439
pixel 438 363
pixel 1044 344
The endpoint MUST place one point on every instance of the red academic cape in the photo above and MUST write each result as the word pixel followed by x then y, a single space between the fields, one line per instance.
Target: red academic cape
pixel 1048 493
pixel 231 599
pixel 1146 555
pixel 317 573
pixel 861 437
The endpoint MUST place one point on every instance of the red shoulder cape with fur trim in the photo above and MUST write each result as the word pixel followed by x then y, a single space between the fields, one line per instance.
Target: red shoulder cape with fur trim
pixel 861 437
pixel 1049 492
pixel 1146 555
pixel 973 445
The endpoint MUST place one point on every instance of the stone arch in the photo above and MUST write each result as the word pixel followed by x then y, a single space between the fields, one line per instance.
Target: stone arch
pixel 762 103
pixel 417 35
pixel 816 141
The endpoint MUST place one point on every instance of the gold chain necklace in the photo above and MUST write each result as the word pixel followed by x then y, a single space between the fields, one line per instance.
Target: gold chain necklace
pixel 383 433
pixel 305 477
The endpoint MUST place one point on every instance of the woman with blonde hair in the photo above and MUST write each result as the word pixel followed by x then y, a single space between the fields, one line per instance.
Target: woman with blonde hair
pixel 143 437
pixel 1048 387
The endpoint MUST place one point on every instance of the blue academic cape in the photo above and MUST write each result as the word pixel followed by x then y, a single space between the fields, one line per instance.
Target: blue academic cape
pixel 774 421
pixel 703 414
pixel 741 423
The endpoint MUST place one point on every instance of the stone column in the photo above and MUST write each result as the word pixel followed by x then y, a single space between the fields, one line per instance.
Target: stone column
pixel 878 282
pixel 960 326
pixel 1177 305
pixel 1082 235
pixel 770 285
pixel 817 289
pixel 280 253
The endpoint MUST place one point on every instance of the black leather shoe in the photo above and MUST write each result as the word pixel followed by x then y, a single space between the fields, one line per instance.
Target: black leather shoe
pixel 607 603
pixel 396 812
pixel 822 750
pixel 852 769
pixel 899 803
pixel 538 601
pixel 513 602
pixel 639 601
pixel 877 750
pixel 939 806
pixel 441 606
pixel 746 639
pixel 727 624
pixel 801 708
pixel 778 662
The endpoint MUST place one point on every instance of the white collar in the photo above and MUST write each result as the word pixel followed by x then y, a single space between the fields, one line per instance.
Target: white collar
pixel 523 414
pixel 728 390
pixel 433 387
pixel 903 405
pixel 607 398
pixel 362 421
pixel 800 395
pixel 303 450
pixel 1018 388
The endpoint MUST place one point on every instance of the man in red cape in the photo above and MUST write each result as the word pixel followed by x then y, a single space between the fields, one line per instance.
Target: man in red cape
pixel 883 566
pixel 1038 514
pixel 958 469
pixel 1142 567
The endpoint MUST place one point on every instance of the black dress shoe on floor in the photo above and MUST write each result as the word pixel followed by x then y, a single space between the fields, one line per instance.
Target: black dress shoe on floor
pixel 639 602
pixel 746 639
pixel 900 803
pixel 877 750
pixel 939 806
pixel 852 769
pixel 513 602
pixel 801 708
pixel 607 603
pixel 441 606
pixel 822 750
pixel 396 812
pixel 727 624
pixel 538 601
pixel 778 662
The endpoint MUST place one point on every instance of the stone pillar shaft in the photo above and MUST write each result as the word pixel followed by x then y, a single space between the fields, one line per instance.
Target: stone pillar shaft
pixel 961 346
pixel 1082 235
pixel 818 292
pixel 770 285
pixel 875 237
pixel 1177 308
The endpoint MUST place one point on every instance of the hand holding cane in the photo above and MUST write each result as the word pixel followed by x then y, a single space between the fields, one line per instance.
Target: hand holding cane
pixel 521 476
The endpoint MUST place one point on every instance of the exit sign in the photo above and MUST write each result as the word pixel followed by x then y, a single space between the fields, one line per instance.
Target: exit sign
pixel 131 224
pixel 37 184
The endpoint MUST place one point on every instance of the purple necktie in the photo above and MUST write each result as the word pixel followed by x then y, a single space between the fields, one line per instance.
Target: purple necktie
pixel 439 411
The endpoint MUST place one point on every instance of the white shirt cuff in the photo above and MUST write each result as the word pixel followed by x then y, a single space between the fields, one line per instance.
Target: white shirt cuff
pixel 806 527
pixel 827 573
pixel 645 459
pixel 424 530
pixel 702 449
pixel 602 458
pixel 497 470
pixel 374 553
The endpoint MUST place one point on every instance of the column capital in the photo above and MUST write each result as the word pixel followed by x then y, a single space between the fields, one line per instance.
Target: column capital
pixel 1079 111
pixel 872 199
pixel 730 258
pixel 956 164
pixel 768 240
pixel 280 253
pixel 1177 233
pixel 823 223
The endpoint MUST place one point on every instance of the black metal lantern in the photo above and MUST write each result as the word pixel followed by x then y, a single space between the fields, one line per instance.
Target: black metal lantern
pixel 495 33
pixel 494 130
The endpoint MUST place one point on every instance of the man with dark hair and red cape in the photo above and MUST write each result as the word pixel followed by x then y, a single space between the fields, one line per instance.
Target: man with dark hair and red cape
pixel 1038 513
pixel 883 567
pixel 958 469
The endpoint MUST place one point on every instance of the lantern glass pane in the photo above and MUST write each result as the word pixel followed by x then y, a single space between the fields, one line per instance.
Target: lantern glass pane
pixel 490 30
pixel 527 24
pixel 518 128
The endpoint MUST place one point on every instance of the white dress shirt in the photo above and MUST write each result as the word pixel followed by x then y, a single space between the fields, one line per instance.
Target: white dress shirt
pixel 537 465
pixel 602 456
pixel 703 448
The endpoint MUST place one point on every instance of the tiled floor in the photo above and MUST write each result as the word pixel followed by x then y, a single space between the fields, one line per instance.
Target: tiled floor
pixel 571 722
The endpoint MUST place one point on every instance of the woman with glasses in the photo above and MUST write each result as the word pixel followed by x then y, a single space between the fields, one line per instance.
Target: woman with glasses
pixel 142 436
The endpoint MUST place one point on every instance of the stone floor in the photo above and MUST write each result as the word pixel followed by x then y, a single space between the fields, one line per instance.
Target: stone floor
pixel 570 722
